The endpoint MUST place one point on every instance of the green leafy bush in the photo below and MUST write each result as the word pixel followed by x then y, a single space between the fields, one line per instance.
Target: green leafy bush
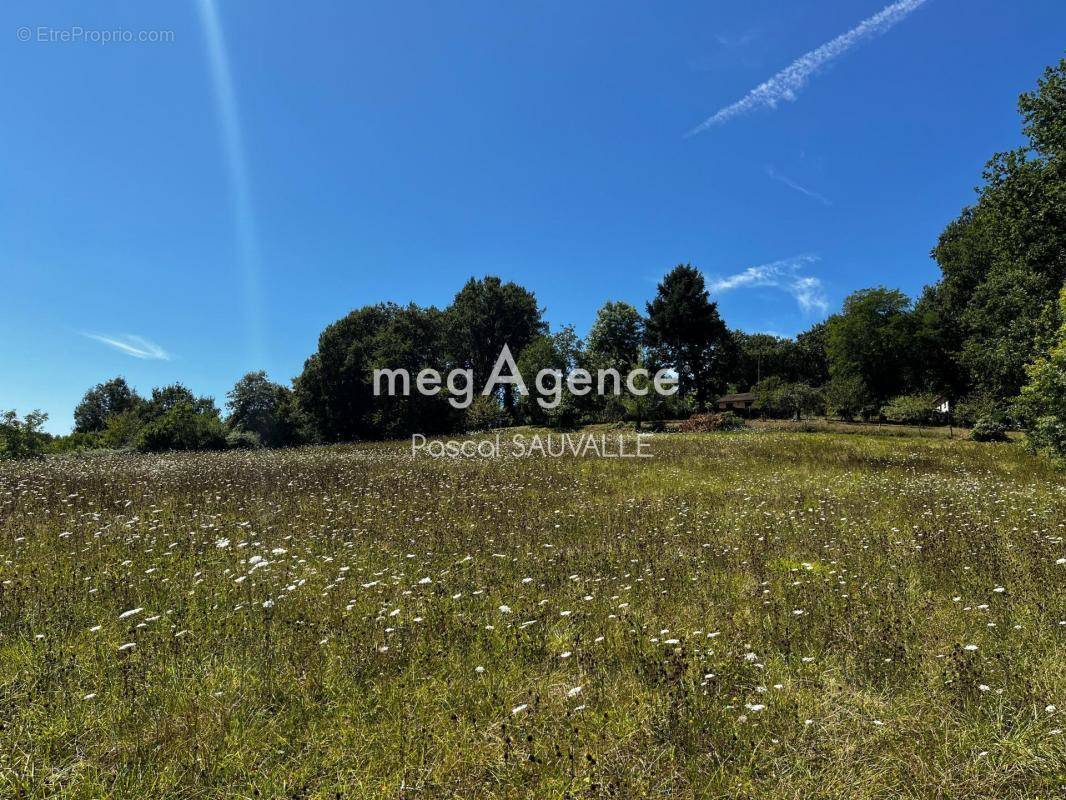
pixel 23 438
pixel 972 408
pixel 243 440
pixel 483 414
pixel 988 430
pixel 1042 405
pixel 911 409
pixel 183 427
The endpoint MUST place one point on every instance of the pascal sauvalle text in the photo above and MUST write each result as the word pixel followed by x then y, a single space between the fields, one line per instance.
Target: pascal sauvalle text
pixel 522 445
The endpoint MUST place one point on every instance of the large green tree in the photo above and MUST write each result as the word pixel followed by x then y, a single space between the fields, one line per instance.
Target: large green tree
pixel 758 356
pixel 809 357
pixel 258 405
pixel 1004 258
pixel 336 386
pixel 615 338
pixel 102 402
pixel 872 339
pixel 1042 405
pixel 23 438
pixel 485 315
pixel 164 398
pixel 683 330
pixel 560 352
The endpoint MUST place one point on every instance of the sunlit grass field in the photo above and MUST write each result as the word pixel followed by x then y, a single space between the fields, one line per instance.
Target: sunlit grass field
pixel 758 614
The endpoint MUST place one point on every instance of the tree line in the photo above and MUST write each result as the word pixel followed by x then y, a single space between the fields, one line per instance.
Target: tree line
pixel 988 338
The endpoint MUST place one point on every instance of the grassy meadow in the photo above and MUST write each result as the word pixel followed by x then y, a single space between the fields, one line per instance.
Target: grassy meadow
pixel 762 614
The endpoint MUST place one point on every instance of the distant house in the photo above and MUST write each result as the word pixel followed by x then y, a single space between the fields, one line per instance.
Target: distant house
pixel 743 401
pixel 942 404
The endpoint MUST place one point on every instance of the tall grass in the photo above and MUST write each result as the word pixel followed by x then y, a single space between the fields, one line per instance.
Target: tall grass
pixel 761 614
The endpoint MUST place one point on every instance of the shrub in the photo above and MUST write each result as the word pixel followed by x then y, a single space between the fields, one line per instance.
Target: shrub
pixel 121 430
pixel 76 442
pixel 970 409
pixel 183 427
pixel 848 397
pixel 23 438
pixel 484 413
pixel 776 398
pixel 987 429
pixel 1048 435
pixel 706 423
pixel 1042 404
pixel 243 440
pixel 911 409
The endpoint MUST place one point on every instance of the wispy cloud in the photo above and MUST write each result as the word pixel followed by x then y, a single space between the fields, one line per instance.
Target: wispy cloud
pixel 131 345
pixel 787 83
pixel 738 40
pixel 786 275
pixel 791 184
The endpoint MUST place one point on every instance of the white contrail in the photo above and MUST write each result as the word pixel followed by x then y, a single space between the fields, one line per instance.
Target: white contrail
pixel 785 84
pixel 233 142
pixel 131 345
pixel 791 184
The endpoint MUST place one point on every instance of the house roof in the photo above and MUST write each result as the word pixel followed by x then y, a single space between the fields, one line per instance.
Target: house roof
pixel 736 398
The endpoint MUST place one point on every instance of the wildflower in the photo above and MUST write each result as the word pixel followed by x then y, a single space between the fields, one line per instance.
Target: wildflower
pixel 505 609
pixel 222 544
pixel 479 670
pixel 519 709
pixel 130 613
pixel 970 647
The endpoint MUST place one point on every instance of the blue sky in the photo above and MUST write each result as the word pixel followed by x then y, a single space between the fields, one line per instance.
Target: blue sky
pixel 223 196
